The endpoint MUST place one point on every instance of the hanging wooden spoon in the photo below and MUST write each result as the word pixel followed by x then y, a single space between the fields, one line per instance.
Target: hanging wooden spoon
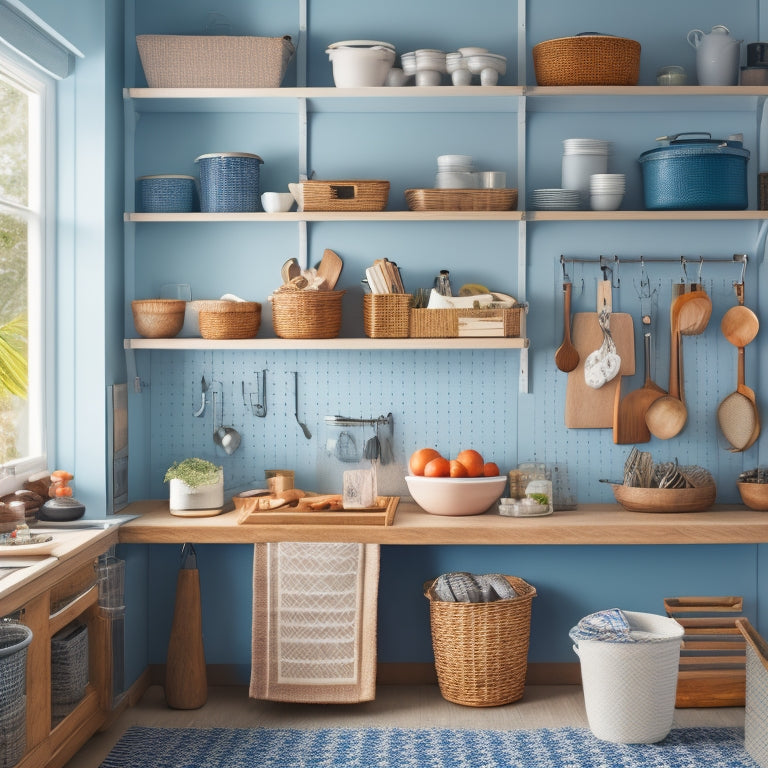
pixel 566 356
pixel 666 416
pixel 695 311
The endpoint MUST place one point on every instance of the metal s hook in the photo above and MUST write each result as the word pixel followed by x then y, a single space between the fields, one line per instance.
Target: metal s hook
pixel 566 278
pixel 743 258
pixel 683 265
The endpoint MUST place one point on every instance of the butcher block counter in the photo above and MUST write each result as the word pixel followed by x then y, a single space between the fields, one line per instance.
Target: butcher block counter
pixel 589 524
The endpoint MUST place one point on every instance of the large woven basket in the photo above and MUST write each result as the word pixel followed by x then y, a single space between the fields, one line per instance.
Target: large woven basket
pixel 229 319
pixel 386 315
pixel 214 61
pixel 345 195
pixel 587 60
pixel 461 199
pixel 158 318
pixel 481 649
pixel 307 314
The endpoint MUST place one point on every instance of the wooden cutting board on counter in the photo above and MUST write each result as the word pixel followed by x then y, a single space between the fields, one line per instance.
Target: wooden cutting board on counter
pixel 585 407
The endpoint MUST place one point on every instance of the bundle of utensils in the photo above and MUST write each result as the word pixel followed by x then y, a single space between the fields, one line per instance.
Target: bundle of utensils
pixel 384 277
pixel 640 471
pixel 321 278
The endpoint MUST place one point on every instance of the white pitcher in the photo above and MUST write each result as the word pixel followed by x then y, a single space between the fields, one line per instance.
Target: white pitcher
pixel 717 56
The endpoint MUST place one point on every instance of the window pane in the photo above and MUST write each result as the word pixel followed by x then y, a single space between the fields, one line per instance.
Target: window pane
pixel 14 143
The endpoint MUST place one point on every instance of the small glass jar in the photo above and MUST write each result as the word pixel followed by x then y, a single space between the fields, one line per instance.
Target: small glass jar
pixel 672 75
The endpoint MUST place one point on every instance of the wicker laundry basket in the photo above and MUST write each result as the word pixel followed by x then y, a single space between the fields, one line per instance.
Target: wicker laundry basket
pixel 14 640
pixel 481 649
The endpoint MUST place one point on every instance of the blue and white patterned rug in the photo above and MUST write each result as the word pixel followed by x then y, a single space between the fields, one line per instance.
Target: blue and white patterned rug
pixel 426 748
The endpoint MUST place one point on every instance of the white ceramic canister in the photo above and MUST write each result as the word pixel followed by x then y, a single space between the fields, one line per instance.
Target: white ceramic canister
pixel 361 63
pixel 577 170
pixel 717 56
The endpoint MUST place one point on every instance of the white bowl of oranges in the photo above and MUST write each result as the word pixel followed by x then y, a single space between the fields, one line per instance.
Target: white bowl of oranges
pixel 466 485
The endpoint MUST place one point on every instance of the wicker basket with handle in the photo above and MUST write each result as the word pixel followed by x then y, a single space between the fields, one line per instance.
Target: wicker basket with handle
pixel 306 314
pixel 386 315
pixel 481 649
pixel 446 323
pixel 587 60
pixel 345 195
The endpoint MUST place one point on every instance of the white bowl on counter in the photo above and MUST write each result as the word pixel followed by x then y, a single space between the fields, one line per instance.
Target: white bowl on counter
pixel 455 496
pixel 276 202
pixel 361 63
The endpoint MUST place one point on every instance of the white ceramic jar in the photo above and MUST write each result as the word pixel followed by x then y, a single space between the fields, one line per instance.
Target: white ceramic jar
pixel 361 63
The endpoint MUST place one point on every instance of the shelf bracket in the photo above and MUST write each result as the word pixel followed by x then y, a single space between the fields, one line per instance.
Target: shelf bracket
pixel 133 372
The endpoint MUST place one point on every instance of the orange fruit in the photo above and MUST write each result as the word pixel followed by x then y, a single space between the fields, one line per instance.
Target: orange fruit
pixel 438 467
pixel 472 460
pixel 457 469
pixel 419 459
pixel 490 469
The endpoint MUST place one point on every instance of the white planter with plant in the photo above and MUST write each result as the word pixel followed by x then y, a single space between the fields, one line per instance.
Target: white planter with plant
pixel 195 484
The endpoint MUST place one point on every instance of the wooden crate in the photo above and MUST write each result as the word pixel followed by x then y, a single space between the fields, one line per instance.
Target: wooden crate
pixel 713 655
pixel 382 514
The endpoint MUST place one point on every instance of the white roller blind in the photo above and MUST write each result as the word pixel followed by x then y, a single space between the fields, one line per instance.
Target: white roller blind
pixel 29 36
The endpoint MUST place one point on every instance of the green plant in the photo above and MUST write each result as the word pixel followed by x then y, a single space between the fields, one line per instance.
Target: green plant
pixel 194 472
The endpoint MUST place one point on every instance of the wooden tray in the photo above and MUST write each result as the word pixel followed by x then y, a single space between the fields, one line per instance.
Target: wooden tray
pixel 461 199
pixel 382 514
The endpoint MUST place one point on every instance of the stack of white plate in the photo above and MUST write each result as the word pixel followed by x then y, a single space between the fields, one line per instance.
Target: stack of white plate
pixel 555 199
pixel 606 191
pixel 455 172
pixel 581 159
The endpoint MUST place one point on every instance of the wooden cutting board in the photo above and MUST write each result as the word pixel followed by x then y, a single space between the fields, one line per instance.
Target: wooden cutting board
pixel 585 407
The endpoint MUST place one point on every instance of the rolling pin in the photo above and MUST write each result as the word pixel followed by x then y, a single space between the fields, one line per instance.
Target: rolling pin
pixel 186 684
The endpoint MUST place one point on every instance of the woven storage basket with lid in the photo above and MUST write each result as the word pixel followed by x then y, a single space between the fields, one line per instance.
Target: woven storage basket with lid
pixel 306 314
pixel 229 319
pixel 168 193
pixel 481 649
pixel 230 182
pixel 587 59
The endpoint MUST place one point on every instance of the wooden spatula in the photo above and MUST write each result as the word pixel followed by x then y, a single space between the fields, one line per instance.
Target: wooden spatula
pixel 330 268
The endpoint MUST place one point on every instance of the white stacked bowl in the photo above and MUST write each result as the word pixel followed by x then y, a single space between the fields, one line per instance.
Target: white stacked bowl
pixel 583 158
pixel 607 191
pixel 455 172
pixel 430 66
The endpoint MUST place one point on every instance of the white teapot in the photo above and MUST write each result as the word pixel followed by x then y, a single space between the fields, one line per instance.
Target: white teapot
pixel 717 56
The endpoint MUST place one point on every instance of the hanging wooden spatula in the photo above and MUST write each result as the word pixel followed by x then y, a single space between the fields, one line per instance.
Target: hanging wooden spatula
pixel 330 268
pixel 566 356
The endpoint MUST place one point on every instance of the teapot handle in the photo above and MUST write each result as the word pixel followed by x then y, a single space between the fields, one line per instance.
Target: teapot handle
pixel 694 37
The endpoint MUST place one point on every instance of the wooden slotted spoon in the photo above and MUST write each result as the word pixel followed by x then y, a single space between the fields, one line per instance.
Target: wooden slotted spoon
pixel 737 414
pixel 566 356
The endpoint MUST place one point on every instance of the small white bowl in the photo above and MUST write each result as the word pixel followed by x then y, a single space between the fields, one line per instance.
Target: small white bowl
pixel 277 202
pixel 472 50
pixel 427 77
pixel 396 78
pixel 455 496
pixel 605 202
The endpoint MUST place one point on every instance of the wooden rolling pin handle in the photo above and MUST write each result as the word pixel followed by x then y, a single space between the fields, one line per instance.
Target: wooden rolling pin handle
pixel 186 684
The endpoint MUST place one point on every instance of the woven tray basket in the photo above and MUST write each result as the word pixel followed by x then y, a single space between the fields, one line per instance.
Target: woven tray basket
pixel 386 315
pixel 229 319
pixel 158 318
pixel 214 61
pixel 444 323
pixel 345 195
pixel 307 314
pixel 587 60
pixel 461 199
pixel 481 649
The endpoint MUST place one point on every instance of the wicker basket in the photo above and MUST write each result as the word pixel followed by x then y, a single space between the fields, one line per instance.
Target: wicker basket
pixel 345 195
pixel 69 668
pixel 386 315
pixel 447 323
pixel 461 199
pixel 230 182
pixel 214 61
pixel 158 318
pixel 481 649
pixel 229 319
pixel 587 60
pixel 307 314
pixel 170 193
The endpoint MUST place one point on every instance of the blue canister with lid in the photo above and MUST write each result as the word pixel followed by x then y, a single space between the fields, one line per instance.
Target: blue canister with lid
pixel 168 193
pixel 229 182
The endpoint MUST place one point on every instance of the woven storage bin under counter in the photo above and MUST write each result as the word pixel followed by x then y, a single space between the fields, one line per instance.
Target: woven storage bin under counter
pixel 452 323
pixel 306 314
pixel 386 315
pixel 345 195
pixel 229 319
pixel 587 60
pixel 481 649
pixel 214 61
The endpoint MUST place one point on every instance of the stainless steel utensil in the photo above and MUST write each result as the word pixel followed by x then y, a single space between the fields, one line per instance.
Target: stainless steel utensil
pixel 203 390
pixel 226 437
pixel 303 426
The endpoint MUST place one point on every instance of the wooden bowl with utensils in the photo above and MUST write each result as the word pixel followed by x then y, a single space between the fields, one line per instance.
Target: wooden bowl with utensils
pixel 665 499
pixel 754 495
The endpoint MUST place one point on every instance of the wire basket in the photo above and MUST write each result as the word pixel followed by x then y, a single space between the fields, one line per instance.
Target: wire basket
pixel 481 649
pixel 307 314
pixel 69 667
pixel 214 61
pixel 13 734
pixel 172 193
pixel 587 60
pixel 345 195
pixel 14 640
pixel 158 318
pixel 386 315
pixel 229 319
pixel 229 182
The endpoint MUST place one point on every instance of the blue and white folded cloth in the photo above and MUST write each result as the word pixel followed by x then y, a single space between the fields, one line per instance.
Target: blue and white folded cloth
pixel 610 626
pixel 463 587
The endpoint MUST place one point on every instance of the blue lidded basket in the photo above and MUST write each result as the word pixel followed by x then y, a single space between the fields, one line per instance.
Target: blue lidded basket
pixel 229 182
pixel 168 193
pixel 695 174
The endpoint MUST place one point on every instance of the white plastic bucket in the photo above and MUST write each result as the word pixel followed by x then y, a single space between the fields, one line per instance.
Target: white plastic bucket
pixel 629 688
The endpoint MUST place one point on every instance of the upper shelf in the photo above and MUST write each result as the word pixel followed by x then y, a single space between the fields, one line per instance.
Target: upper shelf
pixel 445 98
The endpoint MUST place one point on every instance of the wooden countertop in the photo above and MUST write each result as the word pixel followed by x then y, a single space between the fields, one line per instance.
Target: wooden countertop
pixel 589 524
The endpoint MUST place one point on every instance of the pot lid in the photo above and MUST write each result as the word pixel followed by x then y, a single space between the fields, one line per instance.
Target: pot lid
pixel 228 154
pixel 360 44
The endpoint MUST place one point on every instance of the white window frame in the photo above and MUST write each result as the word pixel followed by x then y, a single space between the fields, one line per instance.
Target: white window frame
pixel 40 216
